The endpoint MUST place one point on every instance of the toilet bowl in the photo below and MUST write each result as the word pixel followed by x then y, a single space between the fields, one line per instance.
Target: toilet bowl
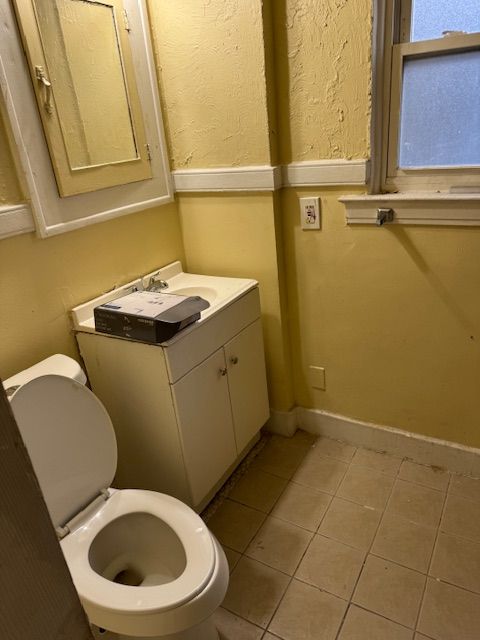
pixel 144 564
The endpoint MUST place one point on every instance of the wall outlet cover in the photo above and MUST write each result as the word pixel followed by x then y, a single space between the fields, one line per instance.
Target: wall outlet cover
pixel 310 213
pixel 316 377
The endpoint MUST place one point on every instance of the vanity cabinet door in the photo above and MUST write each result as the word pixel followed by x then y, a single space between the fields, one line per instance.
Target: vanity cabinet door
pixel 205 423
pixel 248 384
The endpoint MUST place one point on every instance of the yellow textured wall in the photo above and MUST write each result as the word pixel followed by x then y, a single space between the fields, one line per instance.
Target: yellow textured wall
pixel 212 78
pixel 41 280
pixel 322 54
pixel 393 314
pixel 235 235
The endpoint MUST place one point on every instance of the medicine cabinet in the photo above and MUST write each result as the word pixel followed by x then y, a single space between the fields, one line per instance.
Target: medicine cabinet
pixel 81 94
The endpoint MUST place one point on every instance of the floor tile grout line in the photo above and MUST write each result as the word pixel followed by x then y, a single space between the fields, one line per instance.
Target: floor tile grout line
pixel 422 599
pixel 381 615
pixel 350 602
pixel 419 484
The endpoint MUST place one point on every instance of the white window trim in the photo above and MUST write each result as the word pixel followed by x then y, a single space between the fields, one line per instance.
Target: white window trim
pixel 52 214
pixel 420 207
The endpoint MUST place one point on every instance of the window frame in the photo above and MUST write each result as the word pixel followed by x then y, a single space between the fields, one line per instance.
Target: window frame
pixel 391 47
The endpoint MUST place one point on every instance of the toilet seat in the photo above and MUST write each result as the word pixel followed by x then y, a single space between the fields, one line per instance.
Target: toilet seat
pixel 190 529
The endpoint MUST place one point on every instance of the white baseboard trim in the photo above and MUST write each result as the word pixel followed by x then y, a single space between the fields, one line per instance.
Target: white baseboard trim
pixel 317 173
pixel 283 423
pixel 449 455
pixel 325 173
pixel 422 449
pixel 15 219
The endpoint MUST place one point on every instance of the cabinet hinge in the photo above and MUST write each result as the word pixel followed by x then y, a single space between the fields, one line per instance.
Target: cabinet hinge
pixel 149 155
pixel 126 21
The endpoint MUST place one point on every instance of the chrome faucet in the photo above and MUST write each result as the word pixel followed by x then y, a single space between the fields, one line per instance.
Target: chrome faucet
pixel 156 285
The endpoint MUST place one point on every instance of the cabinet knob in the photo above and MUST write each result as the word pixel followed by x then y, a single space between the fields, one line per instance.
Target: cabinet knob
pixel 223 371
pixel 234 360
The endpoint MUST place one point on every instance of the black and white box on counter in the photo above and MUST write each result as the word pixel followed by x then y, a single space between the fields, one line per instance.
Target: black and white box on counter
pixel 148 316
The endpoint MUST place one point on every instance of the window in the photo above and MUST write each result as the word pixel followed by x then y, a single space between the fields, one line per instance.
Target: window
pixel 430 125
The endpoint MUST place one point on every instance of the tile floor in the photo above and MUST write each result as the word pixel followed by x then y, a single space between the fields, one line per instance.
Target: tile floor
pixel 329 542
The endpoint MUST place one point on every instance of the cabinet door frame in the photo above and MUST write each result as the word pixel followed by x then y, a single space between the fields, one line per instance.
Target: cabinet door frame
pixel 53 214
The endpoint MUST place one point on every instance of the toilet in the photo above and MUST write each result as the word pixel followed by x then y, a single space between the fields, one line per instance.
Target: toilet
pixel 144 564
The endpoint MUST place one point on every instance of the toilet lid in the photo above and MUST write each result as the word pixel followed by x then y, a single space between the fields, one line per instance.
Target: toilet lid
pixel 70 440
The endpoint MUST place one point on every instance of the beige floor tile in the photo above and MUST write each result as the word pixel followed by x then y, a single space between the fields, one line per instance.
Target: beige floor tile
pixel 235 524
pixel 279 544
pixel 404 542
pixel 449 613
pixel 390 590
pixel 420 636
pixel 282 456
pixel 302 505
pixel 432 477
pixel 331 565
pixel 269 636
pixel 334 449
pixel 255 591
pixel 320 473
pixel 231 627
pixel 306 613
pixel 416 503
pixel 365 625
pixel 457 560
pixel 350 523
pixel 465 487
pixel 461 518
pixel 302 437
pixel 232 558
pixel 378 461
pixel 258 489
pixel 366 487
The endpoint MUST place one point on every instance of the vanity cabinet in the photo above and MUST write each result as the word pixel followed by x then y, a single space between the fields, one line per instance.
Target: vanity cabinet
pixel 187 411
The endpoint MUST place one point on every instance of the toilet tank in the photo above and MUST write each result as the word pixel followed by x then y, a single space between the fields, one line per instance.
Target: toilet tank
pixel 58 364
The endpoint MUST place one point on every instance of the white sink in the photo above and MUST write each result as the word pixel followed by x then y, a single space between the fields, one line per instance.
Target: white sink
pixel 219 292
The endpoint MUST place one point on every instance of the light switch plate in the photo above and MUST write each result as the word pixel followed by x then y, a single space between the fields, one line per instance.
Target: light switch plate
pixel 310 213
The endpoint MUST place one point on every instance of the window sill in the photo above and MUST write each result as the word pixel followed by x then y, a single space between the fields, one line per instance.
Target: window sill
pixel 420 208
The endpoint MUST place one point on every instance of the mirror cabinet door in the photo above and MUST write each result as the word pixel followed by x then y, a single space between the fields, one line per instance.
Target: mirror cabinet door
pixel 81 68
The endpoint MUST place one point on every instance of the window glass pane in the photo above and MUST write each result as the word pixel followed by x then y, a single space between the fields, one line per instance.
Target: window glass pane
pixel 440 114
pixel 430 18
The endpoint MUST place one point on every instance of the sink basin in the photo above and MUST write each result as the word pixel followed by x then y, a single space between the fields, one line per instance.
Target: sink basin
pixel 218 291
